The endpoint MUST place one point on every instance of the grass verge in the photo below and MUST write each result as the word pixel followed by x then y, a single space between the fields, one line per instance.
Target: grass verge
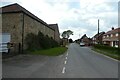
pixel 108 53
pixel 50 52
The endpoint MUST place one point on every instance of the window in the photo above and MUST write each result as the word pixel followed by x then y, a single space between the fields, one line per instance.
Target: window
pixel 103 36
pixel 116 34
pixel 111 35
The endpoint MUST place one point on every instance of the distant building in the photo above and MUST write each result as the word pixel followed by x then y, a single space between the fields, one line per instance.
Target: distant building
pixel 57 33
pixel 64 41
pixel 112 37
pixel 17 22
pixel 98 38
pixel 84 39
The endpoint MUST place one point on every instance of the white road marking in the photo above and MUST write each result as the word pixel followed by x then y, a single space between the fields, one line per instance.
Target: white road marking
pixel 63 71
pixel 67 54
pixel 66 58
pixel 65 62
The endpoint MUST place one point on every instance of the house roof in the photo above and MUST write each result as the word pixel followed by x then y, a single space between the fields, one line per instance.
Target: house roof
pixel 117 30
pixel 84 36
pixel 16 8
pixel 101 33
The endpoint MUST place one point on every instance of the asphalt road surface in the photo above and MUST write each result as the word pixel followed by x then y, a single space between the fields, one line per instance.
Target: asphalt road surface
pixel 77 62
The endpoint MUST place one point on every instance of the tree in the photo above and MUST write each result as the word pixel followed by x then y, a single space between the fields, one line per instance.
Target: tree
pixel 70 41
pixel 66 34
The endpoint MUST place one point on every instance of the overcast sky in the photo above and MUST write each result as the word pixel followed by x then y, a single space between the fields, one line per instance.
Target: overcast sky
pixel 80 16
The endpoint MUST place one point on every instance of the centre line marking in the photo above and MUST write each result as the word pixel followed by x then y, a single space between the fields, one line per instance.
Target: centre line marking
pixel 63 71
pixel 65 62
pixel 67 54
pixel 66 58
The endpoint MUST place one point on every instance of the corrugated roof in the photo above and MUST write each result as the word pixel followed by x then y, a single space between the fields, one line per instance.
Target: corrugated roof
pixel 15 8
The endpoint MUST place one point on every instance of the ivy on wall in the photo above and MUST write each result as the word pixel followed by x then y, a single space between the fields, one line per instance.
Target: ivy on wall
pixel 39 41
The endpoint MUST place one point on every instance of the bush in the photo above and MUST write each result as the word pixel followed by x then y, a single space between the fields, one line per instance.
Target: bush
pixel 32 41
pixel 39 41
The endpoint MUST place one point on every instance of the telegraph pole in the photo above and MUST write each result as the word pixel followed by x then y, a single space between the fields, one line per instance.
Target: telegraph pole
pixel 79 38
pixel 98 32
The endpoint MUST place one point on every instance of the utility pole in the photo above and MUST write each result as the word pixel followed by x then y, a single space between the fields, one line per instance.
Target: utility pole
pixel 98 32
pixel 79 38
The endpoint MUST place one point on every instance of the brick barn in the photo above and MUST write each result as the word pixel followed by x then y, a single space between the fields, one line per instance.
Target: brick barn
pixel 17 22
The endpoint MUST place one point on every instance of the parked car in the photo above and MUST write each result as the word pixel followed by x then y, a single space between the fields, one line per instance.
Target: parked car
pixel 82 44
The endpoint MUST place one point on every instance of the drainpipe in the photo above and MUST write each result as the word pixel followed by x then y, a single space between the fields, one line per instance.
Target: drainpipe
pixel 22 32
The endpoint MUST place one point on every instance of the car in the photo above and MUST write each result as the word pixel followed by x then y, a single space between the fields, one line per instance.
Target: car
pixel 82 44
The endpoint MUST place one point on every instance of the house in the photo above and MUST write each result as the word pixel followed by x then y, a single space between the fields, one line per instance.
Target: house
pixel 98 38
pixel 57 33
pixel 84 39
pixel 112 37
pixel 17 22
pixel 77 41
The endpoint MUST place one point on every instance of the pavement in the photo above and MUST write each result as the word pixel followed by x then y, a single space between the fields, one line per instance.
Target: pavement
pixel 77 62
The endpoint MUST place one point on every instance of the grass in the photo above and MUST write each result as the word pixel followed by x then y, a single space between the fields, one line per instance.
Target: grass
pixel 109 51
pixel 50 52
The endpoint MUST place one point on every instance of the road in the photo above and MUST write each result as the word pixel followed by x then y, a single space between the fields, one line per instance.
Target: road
pixel 77 62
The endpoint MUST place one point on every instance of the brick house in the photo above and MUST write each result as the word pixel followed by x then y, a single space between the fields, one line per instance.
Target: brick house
pixel 87 41
pixel 18 22
pixel 98 38
pixel 112 37
pixel 57 33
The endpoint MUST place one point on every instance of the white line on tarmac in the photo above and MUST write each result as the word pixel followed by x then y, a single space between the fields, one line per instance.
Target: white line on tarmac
pixel 66 58
pixel 63 71
pixel 67 54
pixel 65 62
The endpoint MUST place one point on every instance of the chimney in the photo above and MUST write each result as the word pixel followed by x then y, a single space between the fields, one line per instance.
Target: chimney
pixel 112 28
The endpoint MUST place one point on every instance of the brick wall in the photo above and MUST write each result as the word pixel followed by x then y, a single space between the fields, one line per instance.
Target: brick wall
pixel 31 25
pixel 13 23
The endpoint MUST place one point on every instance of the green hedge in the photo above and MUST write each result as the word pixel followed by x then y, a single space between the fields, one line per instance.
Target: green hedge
pixel 39 41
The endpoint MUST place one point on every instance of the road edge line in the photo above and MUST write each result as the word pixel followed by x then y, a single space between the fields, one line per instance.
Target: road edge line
pixel 106 56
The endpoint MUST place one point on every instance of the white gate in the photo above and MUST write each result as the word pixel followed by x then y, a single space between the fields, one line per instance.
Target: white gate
pixel 4 39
